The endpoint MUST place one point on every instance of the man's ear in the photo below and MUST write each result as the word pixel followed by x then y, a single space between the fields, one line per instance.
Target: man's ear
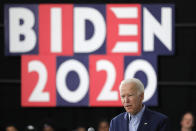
pixel 142 96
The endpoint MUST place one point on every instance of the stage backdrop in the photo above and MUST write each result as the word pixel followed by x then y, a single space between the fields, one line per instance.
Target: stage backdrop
pixel 77 54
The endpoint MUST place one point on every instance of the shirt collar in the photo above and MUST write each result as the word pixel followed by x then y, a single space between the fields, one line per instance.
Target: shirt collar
pixel 138 116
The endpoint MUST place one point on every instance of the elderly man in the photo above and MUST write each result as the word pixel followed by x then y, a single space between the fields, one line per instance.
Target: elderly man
pixel 137 116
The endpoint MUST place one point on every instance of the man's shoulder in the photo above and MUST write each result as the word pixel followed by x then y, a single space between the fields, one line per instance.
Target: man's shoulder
pixel 156 114
pixel 120 116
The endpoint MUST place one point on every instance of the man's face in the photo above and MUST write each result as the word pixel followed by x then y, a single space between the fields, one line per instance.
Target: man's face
pixel 187 121
pixel 130 98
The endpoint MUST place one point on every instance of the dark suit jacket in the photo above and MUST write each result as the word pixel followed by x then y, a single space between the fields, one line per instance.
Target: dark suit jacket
pixel 150 121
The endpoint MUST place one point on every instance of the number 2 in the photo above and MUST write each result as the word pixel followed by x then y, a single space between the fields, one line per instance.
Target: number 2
pixel 38 95
pixel 107 94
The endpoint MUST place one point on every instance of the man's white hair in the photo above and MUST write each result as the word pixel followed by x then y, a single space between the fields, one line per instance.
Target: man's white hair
pixel 139 84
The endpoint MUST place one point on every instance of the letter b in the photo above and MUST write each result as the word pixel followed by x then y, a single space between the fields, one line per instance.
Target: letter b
pixel 21 31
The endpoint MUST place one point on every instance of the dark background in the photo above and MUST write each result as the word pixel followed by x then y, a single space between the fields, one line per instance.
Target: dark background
pixel 176 77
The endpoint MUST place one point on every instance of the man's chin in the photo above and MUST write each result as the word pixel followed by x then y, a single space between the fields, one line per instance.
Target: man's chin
pixel 129 110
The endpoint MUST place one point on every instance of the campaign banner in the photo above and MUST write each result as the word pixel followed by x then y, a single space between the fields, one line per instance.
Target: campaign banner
pixel 77 54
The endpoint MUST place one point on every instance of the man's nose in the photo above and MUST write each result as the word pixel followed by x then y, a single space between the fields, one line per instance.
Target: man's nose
pixel 126 99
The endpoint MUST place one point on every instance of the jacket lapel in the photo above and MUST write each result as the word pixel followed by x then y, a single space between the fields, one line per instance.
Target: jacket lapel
pixel 143 126
pixel 125 125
